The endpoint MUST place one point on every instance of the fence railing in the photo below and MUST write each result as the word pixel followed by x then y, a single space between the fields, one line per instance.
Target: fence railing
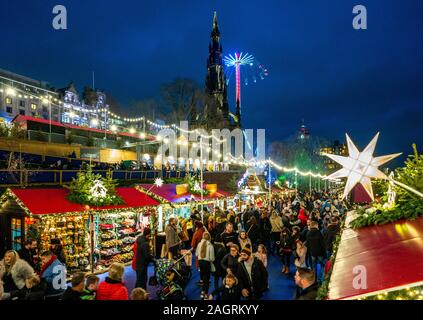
pixel 58 177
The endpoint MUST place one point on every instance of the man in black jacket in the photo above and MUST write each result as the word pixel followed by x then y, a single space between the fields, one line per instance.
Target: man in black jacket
pixel 252 275
pixel 305 279
pixel 143 258
pixel 27 252
pixel 330 233
pixel 316 247
pixel 230 261
pixel 229 236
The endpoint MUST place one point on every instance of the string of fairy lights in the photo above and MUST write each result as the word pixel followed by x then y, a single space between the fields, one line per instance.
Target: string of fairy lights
pixel 13 92
pixel 254 163
pixel 48 98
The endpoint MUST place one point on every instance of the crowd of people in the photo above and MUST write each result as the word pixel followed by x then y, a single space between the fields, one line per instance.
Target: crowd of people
pixel 231 248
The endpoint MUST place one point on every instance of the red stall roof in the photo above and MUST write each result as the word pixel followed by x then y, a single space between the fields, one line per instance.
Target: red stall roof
pixel 168 193
pixel 21 118
pixel 47 201
pixel 392 255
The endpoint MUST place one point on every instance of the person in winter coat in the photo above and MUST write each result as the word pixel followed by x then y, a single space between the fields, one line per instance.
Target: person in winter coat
pixel 261 254
pixel 143 258
pixel 113 287
pixel 316 248
pixel 219 254
pixel 205 255
pixel 252 275
pixel 276 224
pixel 211 228
pixel 243 240
pixel 330 234
pixel 34 290
pixel 91 287
pixel 56 248
pixel 265 228
pixel 27 252
pixel 229 291
pixel 51 269
pixel 230 261
pixel 300 254
pixel 74 293
pixel 14 272
pixel 286 247
pixel 198 234
pixel 184 233
pixel 173 242
pixel 253 232
pixel 302 216
pixel 229 236
pixel 306 282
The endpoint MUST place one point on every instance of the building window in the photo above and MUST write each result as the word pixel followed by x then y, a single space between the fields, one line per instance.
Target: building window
pixel 45 109
pixel 22 103
pixel 33 106
pixel 21 112
pixel 9 109
pixel 16 230
pixel 9 100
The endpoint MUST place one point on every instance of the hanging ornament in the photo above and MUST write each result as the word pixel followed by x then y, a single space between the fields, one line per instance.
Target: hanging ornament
pixel 360 167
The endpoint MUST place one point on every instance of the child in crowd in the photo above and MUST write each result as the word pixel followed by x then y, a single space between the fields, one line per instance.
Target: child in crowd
pixel 229 291
pixel 139 294
pixel 91 286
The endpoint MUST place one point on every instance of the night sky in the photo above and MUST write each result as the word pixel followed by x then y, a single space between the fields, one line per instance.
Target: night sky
pixel 320 69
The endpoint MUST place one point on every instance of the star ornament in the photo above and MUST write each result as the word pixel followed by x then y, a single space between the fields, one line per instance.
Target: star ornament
pixel 360 167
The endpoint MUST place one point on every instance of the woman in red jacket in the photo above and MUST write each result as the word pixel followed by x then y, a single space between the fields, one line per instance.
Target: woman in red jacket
pixel 303 215
pixel 113 287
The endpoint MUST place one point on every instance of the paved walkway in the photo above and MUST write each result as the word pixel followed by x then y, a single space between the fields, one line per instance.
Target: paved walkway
pixel 281 287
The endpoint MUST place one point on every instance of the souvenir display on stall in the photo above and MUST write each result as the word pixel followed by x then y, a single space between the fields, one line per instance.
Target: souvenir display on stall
pixel 72 232
pixel 116 235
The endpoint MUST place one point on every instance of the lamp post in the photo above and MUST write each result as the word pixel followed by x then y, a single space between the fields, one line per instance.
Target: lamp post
pixel 201 177
pixel 270 186
pixel 49 116
pixel 310 183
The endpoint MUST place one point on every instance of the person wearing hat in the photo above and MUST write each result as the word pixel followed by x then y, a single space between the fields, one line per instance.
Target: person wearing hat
pixel 252 275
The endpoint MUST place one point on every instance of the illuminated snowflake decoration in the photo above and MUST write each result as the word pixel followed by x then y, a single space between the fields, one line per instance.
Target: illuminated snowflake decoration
pixel 98 190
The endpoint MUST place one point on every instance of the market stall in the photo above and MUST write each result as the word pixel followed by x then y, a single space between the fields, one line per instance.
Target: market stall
pixel 370 261
pixel 97 234
pixel 177 201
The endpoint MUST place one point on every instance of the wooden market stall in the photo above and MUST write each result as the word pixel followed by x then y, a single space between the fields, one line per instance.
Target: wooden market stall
pixel 104 234
pixel 177 201
pixel 374 260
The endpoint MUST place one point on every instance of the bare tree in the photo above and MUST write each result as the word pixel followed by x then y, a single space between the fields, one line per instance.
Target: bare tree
pixel 182 98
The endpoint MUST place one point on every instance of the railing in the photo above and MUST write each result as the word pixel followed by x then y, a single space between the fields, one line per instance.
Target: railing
pixel 27 177
pixel 24 178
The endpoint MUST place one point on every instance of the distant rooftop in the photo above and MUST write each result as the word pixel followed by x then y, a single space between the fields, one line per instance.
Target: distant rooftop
pixel 25 80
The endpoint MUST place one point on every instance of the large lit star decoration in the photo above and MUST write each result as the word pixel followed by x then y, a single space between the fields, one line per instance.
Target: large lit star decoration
pixel 360 167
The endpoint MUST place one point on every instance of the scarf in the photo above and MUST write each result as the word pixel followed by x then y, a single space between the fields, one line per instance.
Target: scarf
pixel 44 267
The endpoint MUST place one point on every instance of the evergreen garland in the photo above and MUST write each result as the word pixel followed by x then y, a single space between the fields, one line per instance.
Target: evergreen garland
pixel 408 205
pixel 192 181
pixel 80 189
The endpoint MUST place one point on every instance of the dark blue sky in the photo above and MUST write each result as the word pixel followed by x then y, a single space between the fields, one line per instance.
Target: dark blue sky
pixel 320 69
